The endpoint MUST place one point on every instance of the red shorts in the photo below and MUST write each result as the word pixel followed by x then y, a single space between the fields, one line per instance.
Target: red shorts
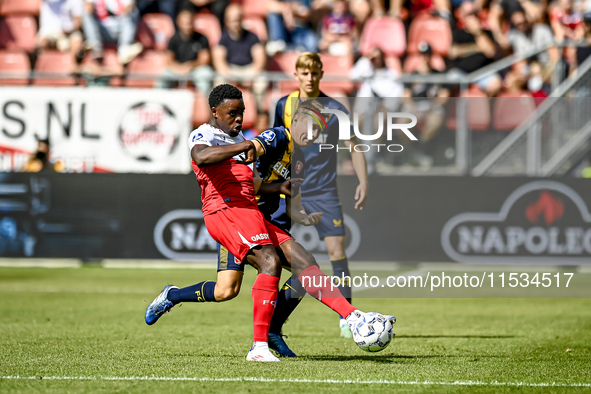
pixel 241 229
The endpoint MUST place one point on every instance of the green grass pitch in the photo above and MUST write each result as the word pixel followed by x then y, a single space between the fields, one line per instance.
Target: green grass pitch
pixel 82 331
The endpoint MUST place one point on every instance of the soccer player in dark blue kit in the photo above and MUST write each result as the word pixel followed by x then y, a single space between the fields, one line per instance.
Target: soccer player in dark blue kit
pixel 319 190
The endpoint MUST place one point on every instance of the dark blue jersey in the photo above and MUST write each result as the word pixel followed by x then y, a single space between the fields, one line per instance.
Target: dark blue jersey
pixel 321 166
pixel 282 160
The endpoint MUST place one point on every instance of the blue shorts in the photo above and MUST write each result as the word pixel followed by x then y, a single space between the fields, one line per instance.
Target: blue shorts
pixel 227 261
pixel 331 223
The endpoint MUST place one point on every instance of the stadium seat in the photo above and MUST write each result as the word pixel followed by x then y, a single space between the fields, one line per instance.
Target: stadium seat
pixel 250 112
pixel 110 66
pixel 201 111
pixel 411 63
pixel 155 30
pixel 285 62
pixel 510 110
pixel 18 32
pixel 257 26
pixel 17 64
pixel 143 71
pixel 385 33
pixel 433 30
pixel 20 7
pixel 255 8
pixel 209 26
pixel 478 107
pixel 55 68
pixel 393 63
pixel 336 66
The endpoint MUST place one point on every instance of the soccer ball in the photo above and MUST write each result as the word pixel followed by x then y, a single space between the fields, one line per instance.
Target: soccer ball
pixel 373 332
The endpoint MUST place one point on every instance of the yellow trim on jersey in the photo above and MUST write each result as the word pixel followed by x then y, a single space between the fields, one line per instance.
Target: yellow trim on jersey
pixel 288 106
pixel 261 144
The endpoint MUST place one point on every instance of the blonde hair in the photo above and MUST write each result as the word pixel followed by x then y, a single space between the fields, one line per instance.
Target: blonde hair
pixel 309 60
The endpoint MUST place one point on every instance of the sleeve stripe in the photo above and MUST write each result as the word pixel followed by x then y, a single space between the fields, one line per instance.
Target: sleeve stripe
pixel 257 139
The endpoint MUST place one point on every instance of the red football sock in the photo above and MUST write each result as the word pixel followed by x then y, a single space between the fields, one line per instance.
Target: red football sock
pixel 319 286
pixel 264 299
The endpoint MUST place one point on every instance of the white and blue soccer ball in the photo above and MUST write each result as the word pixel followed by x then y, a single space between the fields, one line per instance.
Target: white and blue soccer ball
pixel 373 332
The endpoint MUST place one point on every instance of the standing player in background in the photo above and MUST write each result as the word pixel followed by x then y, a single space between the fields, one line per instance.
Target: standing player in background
pixel 319 190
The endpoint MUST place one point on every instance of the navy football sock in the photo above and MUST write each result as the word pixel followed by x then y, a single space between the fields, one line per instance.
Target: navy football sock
pixel 288 299
pixel 201 292
pixel 340 268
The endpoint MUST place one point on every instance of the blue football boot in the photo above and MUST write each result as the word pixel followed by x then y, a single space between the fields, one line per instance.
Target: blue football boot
pixel 277 343
pixel 159 306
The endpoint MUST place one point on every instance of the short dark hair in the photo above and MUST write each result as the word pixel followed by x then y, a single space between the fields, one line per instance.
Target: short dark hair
pixel 224 92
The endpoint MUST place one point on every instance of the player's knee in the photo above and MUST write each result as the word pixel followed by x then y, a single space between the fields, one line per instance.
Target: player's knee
pixel 227 292
pixel 269 262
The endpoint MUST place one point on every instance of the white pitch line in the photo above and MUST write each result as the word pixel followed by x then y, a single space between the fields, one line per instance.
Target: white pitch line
pixel 295 380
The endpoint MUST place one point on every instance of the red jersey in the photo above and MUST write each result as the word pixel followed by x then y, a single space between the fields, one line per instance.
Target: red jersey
pixel 227 183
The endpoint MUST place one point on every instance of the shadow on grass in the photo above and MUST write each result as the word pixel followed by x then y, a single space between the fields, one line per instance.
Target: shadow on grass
pixel 382 358
pixel 391 358
pixel 456 336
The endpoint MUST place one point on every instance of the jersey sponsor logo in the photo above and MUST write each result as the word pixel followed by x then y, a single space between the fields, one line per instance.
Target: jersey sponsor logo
pixel 299 167
pixel 539 222
pixel 149 132
pixel 268 136
pixel 259 237
pixel 281 170
pixel 337 223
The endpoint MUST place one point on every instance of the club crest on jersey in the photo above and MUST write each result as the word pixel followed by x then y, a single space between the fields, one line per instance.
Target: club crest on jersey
pixel 268 135
pixel 298 167
pixel 259 237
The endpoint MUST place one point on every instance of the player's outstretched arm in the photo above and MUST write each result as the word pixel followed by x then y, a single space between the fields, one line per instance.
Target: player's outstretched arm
pixel 206 155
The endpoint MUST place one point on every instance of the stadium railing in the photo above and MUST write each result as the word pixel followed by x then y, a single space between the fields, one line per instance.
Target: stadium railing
pixel 487 156
pixel 553 139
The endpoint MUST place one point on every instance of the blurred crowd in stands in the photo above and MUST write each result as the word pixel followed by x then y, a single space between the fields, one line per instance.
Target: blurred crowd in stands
pixel 364 46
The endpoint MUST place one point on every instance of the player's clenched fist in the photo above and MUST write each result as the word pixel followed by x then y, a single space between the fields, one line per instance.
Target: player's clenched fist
pixel 249 152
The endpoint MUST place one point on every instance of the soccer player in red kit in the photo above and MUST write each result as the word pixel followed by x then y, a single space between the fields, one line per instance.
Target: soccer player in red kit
pixel 223 163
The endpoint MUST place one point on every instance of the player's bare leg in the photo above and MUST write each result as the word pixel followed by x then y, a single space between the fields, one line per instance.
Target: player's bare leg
pixel 228 285
pixel 335 245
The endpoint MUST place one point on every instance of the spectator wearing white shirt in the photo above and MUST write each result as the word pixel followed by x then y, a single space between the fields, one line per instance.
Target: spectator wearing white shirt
pixel 60 23
pixel 113 21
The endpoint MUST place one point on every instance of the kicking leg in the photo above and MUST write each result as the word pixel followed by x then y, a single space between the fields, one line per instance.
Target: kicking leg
pixel 316 283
